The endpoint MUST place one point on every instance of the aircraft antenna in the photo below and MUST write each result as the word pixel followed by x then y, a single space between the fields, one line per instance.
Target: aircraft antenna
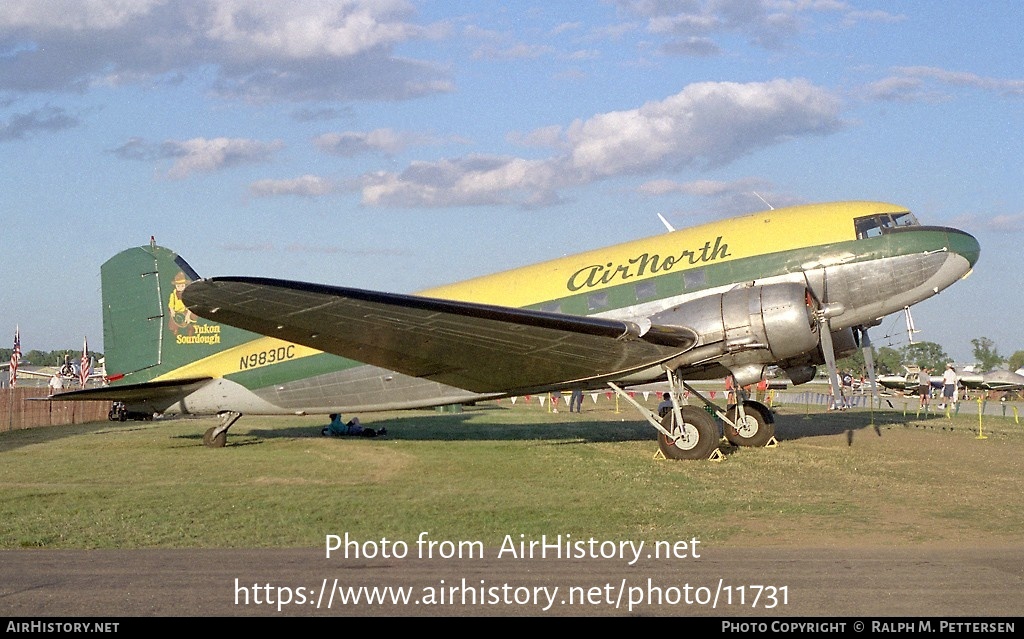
pixel 665 222
pixel 763 200
pixel 910 324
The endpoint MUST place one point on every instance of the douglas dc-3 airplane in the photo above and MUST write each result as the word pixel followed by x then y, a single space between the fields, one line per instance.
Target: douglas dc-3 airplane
pixel 786 287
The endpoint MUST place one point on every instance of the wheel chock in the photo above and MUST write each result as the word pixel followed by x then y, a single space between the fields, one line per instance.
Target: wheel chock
pixel 772 443
pixel 716 456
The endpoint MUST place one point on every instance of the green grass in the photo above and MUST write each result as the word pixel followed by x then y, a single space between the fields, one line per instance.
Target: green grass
pixel 496 470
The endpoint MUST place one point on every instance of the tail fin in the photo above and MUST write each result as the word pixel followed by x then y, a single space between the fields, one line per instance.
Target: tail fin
pixel 148 333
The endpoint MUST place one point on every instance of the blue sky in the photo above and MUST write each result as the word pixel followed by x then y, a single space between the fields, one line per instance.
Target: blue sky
pixel 400 145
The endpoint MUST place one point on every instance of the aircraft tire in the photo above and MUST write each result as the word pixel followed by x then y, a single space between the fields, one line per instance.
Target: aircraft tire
pixel 215 442
pixel 700 438
pixel 755 431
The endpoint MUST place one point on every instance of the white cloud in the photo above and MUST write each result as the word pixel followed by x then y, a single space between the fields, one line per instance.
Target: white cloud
pixel 711 122
pixel 48 119
pixel 74 15
pixel 303 186
pixel 290 29
pixel 274 50
pixel 913 84
pixel 467 181
pixel 353 143
pixel 705 124
pixel 202 155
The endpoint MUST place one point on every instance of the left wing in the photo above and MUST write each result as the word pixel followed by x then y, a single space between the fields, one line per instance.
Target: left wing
pixel 477 347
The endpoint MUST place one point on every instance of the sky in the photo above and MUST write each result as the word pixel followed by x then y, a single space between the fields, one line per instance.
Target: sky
pixel 399 145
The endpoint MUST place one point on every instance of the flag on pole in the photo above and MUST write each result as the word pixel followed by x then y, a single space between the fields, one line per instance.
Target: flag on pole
pixel 85 368
pixel 15 357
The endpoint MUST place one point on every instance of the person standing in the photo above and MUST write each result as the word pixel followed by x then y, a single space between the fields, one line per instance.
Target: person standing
pixel 924 387
pixel 949 381
pixel 56 384
pixel 846 388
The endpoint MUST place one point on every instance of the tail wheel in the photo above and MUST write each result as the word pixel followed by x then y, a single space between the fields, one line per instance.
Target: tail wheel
pixel 695 438
pixel 215 441
pixel 750 430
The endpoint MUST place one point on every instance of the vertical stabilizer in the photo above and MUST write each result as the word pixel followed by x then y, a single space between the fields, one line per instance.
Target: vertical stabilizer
pixel 147 330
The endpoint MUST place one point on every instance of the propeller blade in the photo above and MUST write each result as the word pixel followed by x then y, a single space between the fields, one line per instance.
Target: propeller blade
pixel 828 350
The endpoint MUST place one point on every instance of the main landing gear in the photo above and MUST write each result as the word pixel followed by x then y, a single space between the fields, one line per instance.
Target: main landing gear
pixel 690 432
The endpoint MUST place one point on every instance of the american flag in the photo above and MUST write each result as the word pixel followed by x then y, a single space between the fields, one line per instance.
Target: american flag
pixel 15 357
pixel 85 368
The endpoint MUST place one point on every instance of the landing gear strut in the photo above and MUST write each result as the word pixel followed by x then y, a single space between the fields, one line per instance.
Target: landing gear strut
pixel 750 426
pixel 693 436
pixel 217 436
pixel 690 432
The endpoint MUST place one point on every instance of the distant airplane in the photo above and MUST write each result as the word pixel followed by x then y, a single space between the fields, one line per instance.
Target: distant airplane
pixel 991 381
pixel 787 287
pixel 68 371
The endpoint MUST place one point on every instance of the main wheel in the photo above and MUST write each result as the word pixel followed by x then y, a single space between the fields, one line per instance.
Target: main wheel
pixel 752 430
pixel 211 441
pixel 695 438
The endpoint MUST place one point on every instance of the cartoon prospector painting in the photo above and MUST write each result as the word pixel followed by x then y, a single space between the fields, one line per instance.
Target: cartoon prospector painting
pixel 180 316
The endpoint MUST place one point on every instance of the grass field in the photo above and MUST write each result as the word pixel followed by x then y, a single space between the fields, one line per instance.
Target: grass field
pixel 843 479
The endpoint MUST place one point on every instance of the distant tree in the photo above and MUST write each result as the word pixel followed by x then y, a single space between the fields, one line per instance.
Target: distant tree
pixel 1016 360
pixel 985 354
pixel 888 361
pixel 853 362
pixel 35 357
pixel 925 355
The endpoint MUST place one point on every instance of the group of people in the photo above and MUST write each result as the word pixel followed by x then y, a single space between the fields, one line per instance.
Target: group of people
pixel 949 387
pixel 845 390
pixel 352 427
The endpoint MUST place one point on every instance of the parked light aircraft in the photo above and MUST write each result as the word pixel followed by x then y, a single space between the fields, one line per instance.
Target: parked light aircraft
pixel 991 381
pixel 68 371
pixel 786 287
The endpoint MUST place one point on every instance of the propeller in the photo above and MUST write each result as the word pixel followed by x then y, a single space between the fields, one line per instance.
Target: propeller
pixel 822 313
pixel 861 335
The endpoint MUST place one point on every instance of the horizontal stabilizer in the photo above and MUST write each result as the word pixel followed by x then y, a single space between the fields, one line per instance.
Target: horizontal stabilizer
pixel 162 393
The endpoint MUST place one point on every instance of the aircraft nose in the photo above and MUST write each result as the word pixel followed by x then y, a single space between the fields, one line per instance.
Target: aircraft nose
pixel 964 244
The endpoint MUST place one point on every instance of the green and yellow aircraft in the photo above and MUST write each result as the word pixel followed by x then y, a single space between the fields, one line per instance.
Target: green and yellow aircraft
pixel 785 287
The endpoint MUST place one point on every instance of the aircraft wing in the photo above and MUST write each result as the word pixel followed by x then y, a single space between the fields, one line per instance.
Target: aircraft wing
pixel 477 347
pixel 25 372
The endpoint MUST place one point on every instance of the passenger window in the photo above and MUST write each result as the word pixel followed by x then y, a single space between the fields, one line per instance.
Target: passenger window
pixel 646 291
pixel 695 279
pixel 597 301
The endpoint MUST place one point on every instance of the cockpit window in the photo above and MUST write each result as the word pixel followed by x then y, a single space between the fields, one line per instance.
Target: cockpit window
pixel 880 223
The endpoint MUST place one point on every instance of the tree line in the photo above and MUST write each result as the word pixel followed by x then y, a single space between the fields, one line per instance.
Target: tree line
pixel 891 361
pixel 47 358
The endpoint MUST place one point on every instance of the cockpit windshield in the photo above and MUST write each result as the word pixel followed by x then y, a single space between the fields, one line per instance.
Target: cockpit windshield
pixel 880 223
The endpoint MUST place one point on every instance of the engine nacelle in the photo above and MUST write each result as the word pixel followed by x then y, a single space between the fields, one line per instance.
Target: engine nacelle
pixel 801 374
pixel 746 328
